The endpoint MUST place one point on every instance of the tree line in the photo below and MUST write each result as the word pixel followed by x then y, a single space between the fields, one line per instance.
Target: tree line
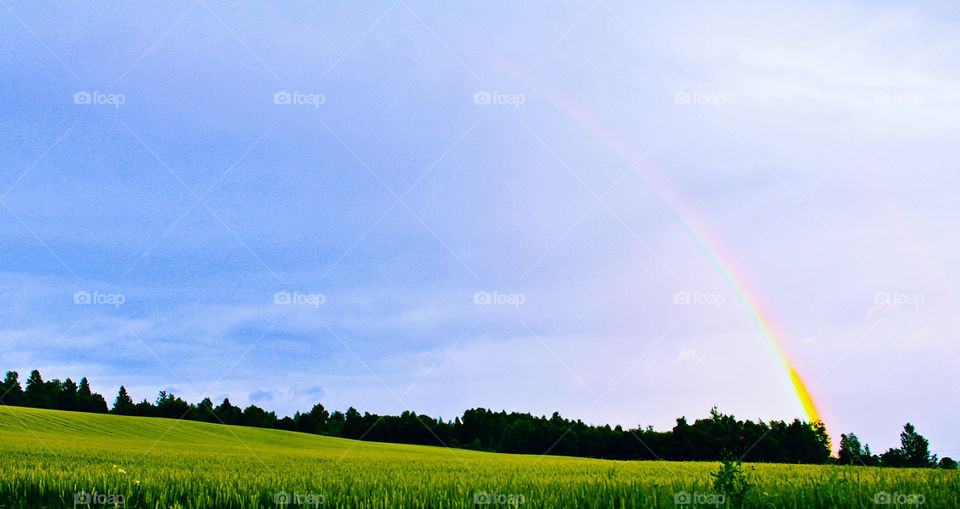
pixel 715 438
pixel 914 451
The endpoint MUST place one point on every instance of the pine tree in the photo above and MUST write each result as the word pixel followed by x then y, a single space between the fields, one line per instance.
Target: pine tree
pixel 34 395
pixel 10 391
pixel 123 405
pixel 68 396
pixel 84 390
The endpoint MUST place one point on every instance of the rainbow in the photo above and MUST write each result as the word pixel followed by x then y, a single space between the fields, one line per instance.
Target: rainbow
pixel 711 247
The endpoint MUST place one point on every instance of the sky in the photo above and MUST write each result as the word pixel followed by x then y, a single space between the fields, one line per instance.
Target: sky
pixel 410 205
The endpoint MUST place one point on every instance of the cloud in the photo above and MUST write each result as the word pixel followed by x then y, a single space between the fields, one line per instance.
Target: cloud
pixel 316 392
pixel 689 356
pixel 822 172
pixel 262 396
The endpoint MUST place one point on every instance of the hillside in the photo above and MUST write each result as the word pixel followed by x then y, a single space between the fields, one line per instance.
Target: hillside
pixel 51 457
pixel 61 429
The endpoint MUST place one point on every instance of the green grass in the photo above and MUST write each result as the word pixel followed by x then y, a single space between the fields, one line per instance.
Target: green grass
pixel 47 456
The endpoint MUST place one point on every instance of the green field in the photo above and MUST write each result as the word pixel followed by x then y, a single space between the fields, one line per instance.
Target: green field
pixel 49 456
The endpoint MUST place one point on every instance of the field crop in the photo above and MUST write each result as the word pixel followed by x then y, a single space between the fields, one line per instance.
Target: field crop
pixel 56 459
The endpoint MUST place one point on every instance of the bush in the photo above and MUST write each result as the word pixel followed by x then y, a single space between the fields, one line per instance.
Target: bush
pixel 731 481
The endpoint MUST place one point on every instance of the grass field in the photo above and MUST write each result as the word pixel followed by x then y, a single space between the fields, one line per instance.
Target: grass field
pixel 47 457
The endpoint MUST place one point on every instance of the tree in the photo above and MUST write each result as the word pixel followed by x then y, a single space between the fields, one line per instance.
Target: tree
pixel 335 424
pixel 171 406
pixel 709 439
pixel 258 417
pixel 123 405
pixel 145 409
pixel 850 450
pixel 353 423
pixel 819 448
pixel 313 422
pixel 84 389
pixel 34 395
pixel 10 391
pixel 915 448
pixel 893 458
pixel 869 459
pixel 203 412
pixel 227 413
pixel 67 398
pixel 90 401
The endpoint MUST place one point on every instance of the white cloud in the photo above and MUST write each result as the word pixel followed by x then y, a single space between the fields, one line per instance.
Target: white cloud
pixel 689 356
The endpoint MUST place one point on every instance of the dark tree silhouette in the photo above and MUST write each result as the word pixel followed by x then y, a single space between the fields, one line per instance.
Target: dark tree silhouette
pixel 123 405
pixel 35 393
pixel 714 438
pixel 850 453
pixel 226 413
pixel 89 401
pixel 916 448
pixel 10 391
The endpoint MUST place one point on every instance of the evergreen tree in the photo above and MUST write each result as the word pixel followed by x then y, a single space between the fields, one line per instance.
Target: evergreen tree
pixel 68 396
pixel 84 389
pixel 708 439
pixel 10 391
pixel 353 422
pixel 203 412
pixel 123 405
pixel 171 407
pixel 227 413
pixel 35 393
pixel 90 401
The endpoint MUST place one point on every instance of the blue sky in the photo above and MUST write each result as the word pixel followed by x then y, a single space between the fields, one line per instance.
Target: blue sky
pixel 818 145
